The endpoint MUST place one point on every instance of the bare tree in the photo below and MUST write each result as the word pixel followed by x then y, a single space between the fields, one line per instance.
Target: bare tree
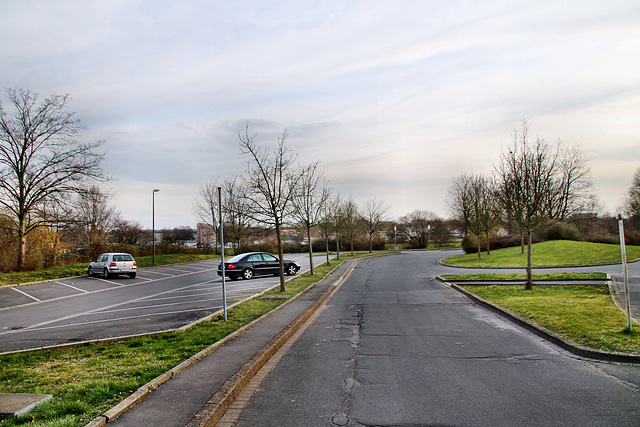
pixel 41 160
pixel 484 213
pixel 526 179
pixel 416 227
pixel 235 208
pixel 94 218
pixel 571 192
pixel 351 220
pixel 205 207
pixel 308 204
pixel 327 223
pixel 459 201
pixel 632 203
pixel 127 232
pixel 374 214
pixel 272 180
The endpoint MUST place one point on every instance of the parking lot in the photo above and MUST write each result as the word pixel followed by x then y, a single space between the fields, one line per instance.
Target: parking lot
pixel 88 308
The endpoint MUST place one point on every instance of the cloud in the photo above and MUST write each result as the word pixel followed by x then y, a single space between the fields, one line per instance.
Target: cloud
pixel 393 98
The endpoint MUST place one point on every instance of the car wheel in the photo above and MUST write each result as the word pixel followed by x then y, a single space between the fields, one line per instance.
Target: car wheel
pixel 91 272
pixel 132 275
pixel 291 270
pixel 105 274
pixel 247 274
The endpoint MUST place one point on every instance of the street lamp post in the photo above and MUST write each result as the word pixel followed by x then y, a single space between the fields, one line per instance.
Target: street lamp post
pixel 153 222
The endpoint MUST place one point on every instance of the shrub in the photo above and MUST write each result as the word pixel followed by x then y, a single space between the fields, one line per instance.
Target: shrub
pixel 561 231
pixel 470 244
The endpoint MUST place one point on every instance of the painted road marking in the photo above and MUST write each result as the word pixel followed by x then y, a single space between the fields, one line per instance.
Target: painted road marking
pixel 72 287
pixel 26 294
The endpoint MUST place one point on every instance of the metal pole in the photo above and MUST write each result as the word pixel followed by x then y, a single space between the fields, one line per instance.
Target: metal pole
pixel 224 288
pixel 153 222
pixel 624 266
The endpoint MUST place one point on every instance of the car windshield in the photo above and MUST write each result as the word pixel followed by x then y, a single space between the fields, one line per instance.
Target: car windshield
pixel 124 257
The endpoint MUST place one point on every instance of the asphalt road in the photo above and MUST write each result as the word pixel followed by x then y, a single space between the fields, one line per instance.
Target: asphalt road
pixel 394 347
pixel 86 308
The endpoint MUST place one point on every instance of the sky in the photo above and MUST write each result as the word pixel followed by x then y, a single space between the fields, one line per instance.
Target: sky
pixel 394 98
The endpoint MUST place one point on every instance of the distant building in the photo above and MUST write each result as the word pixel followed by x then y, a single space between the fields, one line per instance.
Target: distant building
pixel 205 235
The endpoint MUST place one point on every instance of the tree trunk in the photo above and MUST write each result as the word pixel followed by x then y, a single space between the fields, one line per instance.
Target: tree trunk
pixel 479 249
pixel 337 245
pixel 370 242
pixel 326 244
pixel 310 249
pixel 488 245
pixel 529 284
pixel 22 247
pixel 283 288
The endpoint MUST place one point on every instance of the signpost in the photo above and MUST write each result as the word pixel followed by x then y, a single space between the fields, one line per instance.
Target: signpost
pixel 624 271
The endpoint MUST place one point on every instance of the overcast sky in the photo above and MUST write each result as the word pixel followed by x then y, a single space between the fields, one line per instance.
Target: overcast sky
pixel 394 98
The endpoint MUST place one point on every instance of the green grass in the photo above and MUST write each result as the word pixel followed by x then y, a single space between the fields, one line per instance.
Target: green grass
pixel 81 268
pixel 88 380
pixel 585 314
pixel 548 254
pixel 523 276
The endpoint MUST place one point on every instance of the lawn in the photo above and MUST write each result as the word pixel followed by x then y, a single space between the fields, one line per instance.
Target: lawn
pixel 585 314
pixel 554 253
pixel 88 380
pixel 523 276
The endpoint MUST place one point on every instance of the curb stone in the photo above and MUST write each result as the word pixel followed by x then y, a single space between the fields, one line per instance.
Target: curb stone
pixel 547 334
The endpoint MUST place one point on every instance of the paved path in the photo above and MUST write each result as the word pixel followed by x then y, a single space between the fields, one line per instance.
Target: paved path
pixel 395 346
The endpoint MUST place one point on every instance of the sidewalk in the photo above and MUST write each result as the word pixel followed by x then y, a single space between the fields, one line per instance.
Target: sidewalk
pixel 178 400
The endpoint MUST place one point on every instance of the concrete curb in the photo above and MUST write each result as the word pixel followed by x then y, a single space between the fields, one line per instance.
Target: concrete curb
pixel 547 334
pixel 142 392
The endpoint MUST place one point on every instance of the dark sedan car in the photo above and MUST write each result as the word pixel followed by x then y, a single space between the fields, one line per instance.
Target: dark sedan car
pixel 256 264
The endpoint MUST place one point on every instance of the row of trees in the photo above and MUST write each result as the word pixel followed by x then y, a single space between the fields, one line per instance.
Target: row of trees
pixel 51 204
pixel 277 191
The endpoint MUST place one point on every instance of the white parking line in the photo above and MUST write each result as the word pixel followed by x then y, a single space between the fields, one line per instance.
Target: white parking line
pixel 177 269
pixel 26 294
pixel 158 272
pixel 109 281
pixel 72 287
pixel 44 328
pixel 148 307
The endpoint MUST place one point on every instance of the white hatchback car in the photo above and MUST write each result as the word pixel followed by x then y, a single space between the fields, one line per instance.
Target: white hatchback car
pixel 113 264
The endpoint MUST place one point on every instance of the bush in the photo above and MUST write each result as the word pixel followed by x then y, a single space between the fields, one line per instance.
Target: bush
pixel 632 237
pixel 470 244
pixel 561 231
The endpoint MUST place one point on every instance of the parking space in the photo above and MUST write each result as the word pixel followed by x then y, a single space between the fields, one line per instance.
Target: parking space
pixel 26 294
pixel 92 308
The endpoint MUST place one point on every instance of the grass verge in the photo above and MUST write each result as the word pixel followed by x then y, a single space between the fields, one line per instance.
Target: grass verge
pixel 523 276
pixel 548 254
pixel 585 314
pixel 80 269
pixel 88 380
